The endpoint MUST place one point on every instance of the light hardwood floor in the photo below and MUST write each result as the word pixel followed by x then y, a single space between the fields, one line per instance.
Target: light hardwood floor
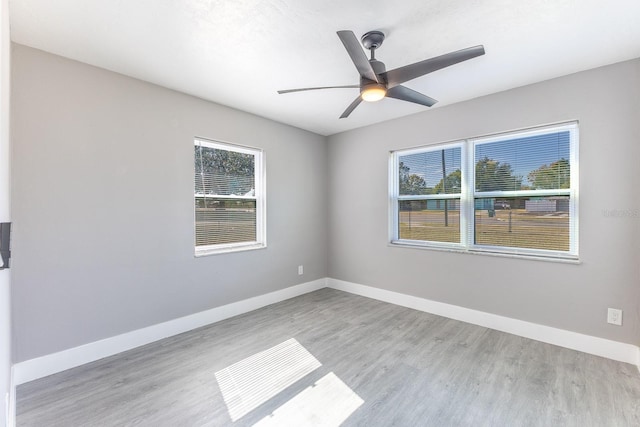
pixel 397 366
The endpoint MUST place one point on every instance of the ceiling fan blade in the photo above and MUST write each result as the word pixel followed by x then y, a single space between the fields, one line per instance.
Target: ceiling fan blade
pixel 318 88
pixel 354 49
pixel 351 107
pixel 408 72
pixel 405 94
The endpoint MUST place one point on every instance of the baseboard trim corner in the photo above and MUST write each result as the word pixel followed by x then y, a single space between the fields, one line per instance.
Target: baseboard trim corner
pixel 49 364
pixel 609 349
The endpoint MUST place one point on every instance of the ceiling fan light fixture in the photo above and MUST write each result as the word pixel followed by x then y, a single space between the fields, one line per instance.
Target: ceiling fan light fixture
pixel 373 92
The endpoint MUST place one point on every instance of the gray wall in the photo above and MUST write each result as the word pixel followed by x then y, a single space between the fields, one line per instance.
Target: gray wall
pixel 574 297
pixel 103 205
pixel 103 211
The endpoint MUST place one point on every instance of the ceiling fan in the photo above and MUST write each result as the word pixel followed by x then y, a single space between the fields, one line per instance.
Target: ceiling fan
pixel 376 82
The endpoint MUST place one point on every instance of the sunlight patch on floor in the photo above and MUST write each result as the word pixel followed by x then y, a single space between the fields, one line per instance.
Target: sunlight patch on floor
pixel 249 383
pixel 327 403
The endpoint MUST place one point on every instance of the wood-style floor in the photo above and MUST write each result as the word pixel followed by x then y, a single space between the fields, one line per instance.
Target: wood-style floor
pixel 330 357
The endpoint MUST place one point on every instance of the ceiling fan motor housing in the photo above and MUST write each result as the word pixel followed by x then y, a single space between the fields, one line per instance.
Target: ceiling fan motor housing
pixel 374 91
pixel 378 67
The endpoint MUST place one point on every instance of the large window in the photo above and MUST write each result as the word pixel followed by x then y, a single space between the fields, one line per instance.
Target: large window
pixel 512 193
pixel 229 198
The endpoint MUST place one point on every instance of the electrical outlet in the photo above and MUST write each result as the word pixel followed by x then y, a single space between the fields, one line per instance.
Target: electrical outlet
pixel 614 316
pixel 300 270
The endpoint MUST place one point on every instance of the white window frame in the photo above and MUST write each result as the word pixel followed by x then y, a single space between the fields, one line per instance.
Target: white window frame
pixel 259 197
pixel 395 197
pixel 468 196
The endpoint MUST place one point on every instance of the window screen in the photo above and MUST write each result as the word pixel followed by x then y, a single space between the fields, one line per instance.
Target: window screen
pixel 228 196
pixel 429 190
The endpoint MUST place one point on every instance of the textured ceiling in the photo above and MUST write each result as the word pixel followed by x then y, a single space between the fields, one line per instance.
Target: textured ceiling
pixel 239 53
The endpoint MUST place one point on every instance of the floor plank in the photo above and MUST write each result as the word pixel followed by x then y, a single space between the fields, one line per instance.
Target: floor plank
pixel 408 368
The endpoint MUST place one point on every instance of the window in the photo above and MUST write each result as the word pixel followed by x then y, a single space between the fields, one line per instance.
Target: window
pixel 429 194
pixel 229 198
pixel 512 193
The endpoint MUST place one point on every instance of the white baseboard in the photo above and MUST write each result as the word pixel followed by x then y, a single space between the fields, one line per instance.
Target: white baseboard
pixel 586 343
pixel 40 367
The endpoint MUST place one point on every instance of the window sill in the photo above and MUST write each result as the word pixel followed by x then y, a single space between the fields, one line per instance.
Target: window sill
pixel 563 260
pixel 228 249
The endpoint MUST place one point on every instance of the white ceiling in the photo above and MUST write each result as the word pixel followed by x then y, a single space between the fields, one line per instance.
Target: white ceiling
pixel 240 52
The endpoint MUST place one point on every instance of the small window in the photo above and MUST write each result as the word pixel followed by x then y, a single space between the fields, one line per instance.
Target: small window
pixel 229 198
pixel 512 193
